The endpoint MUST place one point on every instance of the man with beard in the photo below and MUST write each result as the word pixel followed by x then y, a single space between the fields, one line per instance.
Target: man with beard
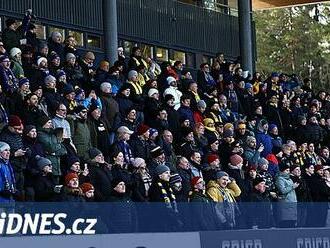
pixel 7 77
pixel 30 112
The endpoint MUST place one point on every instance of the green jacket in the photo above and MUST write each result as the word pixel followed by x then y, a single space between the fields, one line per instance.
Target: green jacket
pixel 17 69
pixel 81 137
pixel 53 148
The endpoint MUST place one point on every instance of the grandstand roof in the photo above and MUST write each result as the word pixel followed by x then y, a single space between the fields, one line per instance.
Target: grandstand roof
pixel 271 4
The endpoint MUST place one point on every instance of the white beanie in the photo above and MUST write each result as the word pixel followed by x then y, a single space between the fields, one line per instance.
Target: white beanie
pixel 131 74
pixel 40 59
pixel 152 91
pixel 170 80
pixel 69 56
pixel 137 162
pixel 14 51
pixel 4 146
pixel 104 86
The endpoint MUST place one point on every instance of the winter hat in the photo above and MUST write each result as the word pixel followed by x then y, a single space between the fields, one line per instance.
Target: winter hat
pixel 283 166
pixel 104 86
pixel 262 161
pixel 294 166
pixel 70 56
pixel 272 159
pixel 132 73
pixel 4 146
pixel 248 86
pixel 152 131
pixel 93 106
pixel 168 97
pixel 152 91
pixel 211 158
pixel 250 139
pixel 160 169
pixel 40 60
pixel 85 187
pixel 170 80
pixel 271 127
pixel 14 121
pixel 318 167
pixel 43 45
pixel 228 133
pixel 49 78
pixel 42 120
pixel 142 129
pixel 3 57
pixel 68 89
pixel 42 162
pixel 185 131
pixel 220 174
pixel 156 152
pixel 208 121
pixel 60 73
pixel 28 128
pixel 125 86
pixel 69 177
pixel 236 159
pixel 79 108
pixel 201 104
pixel 257 180
pixel 275 74
pixel 14 51
pixel 175 178
pixel 137 162
pixel 252 167
pixel 116 181
pixel 124 129
pixel 53 56
pixel 194 181
pixel 93 152
pixel 72 159
pixel 23 81
pixel 212 139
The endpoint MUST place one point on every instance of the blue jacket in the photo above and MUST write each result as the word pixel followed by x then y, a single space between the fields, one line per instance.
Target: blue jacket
pixel 7 181
pixel 266 140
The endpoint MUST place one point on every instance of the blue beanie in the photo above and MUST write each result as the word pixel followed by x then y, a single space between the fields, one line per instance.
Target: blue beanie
pixel 271 127
pixel 160 169
pixel 248 86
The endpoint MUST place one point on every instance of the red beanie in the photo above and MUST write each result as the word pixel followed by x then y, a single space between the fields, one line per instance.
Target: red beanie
pixel 236 159
pixel 142 129
pixel 272 159
pixel 211 158
pixel 14 121
pixel 194 181
pixel 69 177
pixel 252 167
pixel 85 187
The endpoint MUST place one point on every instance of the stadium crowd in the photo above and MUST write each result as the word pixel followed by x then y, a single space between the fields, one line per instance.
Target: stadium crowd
pixel 140 131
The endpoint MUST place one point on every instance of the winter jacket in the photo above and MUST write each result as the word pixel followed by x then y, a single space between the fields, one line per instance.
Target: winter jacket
pixel 81 137
pixel 218 194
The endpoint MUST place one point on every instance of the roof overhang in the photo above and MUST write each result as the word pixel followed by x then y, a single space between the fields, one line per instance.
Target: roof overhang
pixel 272 4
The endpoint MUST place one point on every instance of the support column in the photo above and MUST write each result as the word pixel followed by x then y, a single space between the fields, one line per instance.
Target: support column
pixel 110 30
pixel 245 34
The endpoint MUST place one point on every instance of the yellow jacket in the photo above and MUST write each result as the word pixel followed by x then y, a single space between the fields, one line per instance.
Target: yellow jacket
pixel 217 193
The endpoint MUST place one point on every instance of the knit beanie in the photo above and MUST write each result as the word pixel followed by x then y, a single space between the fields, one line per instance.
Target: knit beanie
pixel 152 91
pixel 236 159
pixel 201 104
pixel 257 180
pixel 160 169
pixel 69 177
pixel 262 161
pixel 175 178
pixel 194 181
pixel 14 51
pixel 4 146
pixel 42 162
pixel 211 158
pixel 170 80
pixel 132 73
pixel 137 162
pixel 85 187
pixel 220 174
pixel 93 152
pixel 142 129
pixel 28 128
pixel 14 121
